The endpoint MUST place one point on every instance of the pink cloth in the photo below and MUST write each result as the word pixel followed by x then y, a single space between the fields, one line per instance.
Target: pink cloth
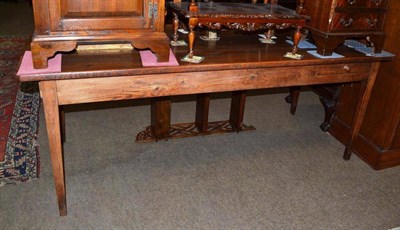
pixel 26 67
pixel 149 59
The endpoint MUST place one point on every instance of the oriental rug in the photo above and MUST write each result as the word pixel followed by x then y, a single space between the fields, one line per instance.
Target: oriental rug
pixel 19 113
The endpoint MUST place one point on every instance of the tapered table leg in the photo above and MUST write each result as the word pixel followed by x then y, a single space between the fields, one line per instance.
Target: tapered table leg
pixel 161 117
pixel 361 108
pixel 293 98
pixel 52 116
pixel 62 124
pixel 296 39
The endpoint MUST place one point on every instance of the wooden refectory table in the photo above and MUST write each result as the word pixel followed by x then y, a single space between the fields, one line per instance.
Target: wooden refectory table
pixel 96 76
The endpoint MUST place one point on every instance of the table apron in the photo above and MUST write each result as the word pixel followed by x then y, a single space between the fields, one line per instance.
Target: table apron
pixel 75 91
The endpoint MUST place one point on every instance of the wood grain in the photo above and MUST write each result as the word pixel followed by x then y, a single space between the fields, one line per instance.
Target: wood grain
pixel 144 86
pixel 48 90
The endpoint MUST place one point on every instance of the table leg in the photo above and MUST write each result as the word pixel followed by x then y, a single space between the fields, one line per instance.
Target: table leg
pixel 293 98
pixel 161 128
pixel 51 109
pixel 62 124
pixel 296 39
pixel 269 33
pixel 161 117
pixel 176 26
pixel 192 36
pixel 360 111
pixel 193 6
pixel 202 109
pixel 237 110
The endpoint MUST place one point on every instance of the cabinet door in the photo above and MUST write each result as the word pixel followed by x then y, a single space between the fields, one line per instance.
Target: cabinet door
pixel 77 15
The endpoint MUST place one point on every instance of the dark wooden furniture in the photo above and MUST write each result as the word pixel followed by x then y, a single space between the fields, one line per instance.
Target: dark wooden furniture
pixel 62 24
pixel 378 143
pixel 328 95
pixel 241 16
pixel 162 129
pixel 333 21
pixel 111 76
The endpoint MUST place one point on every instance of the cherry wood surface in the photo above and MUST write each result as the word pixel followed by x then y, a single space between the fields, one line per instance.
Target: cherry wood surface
pixel 93 76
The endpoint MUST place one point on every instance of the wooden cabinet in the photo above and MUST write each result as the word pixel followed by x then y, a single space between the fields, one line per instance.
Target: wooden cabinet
pixel 333 21
pixel 61 25
pixel 378 143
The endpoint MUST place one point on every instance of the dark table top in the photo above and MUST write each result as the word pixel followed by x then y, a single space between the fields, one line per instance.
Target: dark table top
pixel 237 10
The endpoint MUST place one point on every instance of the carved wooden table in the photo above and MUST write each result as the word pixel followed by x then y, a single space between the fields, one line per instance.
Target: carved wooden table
pixel 240 16
pixel 111 76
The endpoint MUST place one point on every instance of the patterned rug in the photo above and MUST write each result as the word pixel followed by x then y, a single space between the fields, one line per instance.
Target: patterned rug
pixel 19 112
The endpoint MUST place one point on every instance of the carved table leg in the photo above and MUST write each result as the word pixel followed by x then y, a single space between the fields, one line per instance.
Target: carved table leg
pixel 329 104
pixel 296 39
pixel 43 50
pixel 202 109
pixel 176 26
pixel 48 92
pixel 161 117
pixel 329 107
pixel 237 110
pixel 191 36
pixel 193 6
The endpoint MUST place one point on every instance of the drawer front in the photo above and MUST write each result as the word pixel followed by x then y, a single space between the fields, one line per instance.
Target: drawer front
pixel 362 3
pixel 357 22
pixel 344 69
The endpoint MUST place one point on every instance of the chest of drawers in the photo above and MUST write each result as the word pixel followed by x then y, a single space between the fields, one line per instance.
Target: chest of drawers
pixel 333 21
pixel 61 25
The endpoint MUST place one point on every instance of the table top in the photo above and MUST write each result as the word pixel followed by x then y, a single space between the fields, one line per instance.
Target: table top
pixel 225 54
pixel 230 10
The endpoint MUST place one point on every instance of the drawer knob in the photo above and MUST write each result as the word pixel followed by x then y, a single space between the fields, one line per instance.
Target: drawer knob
pixel 377 2
pixel 372 23
pixel 346 68
pixel 346 23
pixel 351 2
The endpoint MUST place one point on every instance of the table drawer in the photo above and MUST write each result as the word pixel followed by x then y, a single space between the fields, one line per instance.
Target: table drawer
pixel 343 69
pixel 363 3
pixel 357 22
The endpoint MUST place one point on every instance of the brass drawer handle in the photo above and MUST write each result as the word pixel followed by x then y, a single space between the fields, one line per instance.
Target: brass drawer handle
pixel 351 2
pixel 346 23
pixel 372 23
pixel 347 68
pixel 377 2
